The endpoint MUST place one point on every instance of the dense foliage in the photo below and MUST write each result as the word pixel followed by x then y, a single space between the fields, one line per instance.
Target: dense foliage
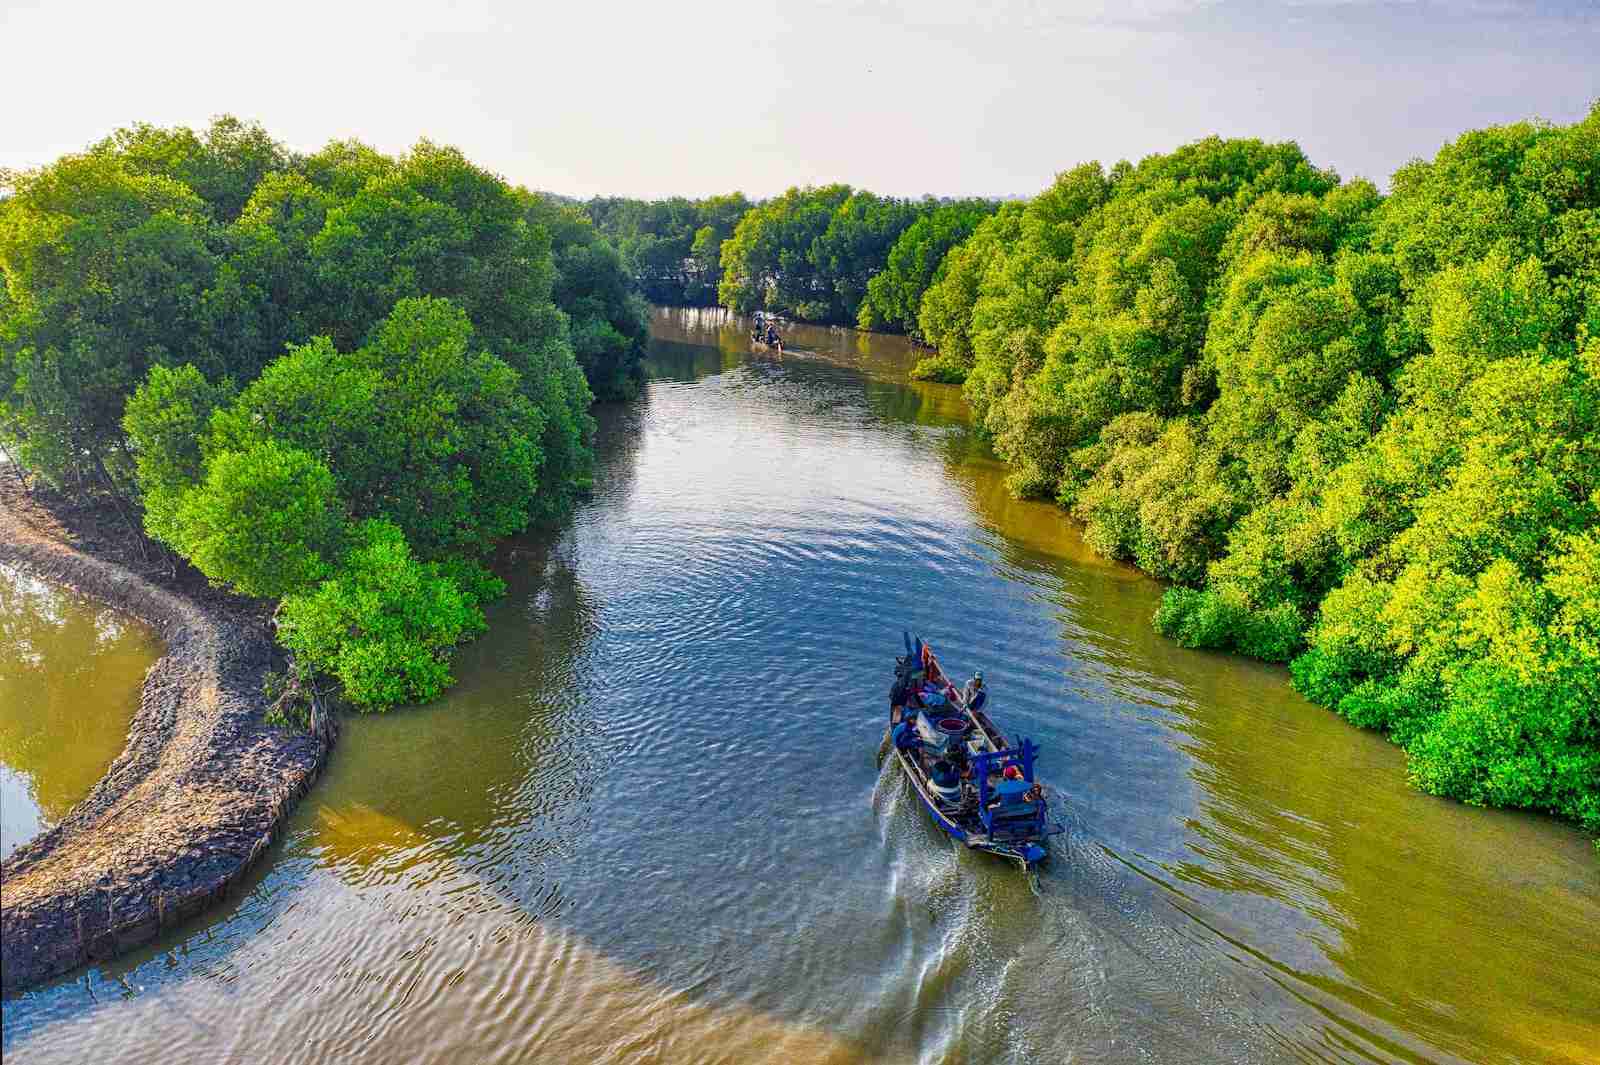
pixel 320 374
pixel 672 249
pixel 812 253
pixel 608 321
pixel 384 625
pixel 830 254
pixel 321 481
pixel 916 261
pixel 944 317
pixel 1361 433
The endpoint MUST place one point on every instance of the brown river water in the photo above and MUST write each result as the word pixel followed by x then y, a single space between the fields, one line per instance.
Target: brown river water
pixel 648 824
pixel 70 674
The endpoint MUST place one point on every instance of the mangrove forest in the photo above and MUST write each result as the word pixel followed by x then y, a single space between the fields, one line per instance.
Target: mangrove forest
pixel 1357 431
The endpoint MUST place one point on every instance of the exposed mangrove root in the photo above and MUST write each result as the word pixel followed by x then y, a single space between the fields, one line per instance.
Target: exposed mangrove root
pixel 202 786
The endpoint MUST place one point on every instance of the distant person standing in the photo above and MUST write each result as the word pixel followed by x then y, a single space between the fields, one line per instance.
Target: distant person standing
pixel 975 694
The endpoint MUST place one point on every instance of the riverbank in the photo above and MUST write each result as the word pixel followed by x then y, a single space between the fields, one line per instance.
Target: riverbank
pixel 201 787
pixel 1247 879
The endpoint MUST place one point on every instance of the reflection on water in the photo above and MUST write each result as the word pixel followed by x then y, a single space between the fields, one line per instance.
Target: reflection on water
pixel 648 825
pixel 70 675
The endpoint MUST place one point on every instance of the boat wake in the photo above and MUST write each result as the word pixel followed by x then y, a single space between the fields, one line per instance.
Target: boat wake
pixel 1057 966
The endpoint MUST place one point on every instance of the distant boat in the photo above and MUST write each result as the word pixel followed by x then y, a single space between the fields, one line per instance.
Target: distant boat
pixel 979 789
pixel 765 334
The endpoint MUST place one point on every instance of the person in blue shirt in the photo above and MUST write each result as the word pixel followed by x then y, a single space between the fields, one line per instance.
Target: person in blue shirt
pixel 905 736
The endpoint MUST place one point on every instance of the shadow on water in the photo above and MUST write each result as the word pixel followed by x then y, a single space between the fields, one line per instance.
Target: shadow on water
pixel 648 824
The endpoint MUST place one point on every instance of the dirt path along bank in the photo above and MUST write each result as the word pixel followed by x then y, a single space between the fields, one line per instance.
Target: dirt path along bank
pixel 204 781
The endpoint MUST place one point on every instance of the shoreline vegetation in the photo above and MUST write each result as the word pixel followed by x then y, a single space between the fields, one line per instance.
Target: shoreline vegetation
pixel 332 381
pixel 1358 433
pixel 290 399
pixel 203 783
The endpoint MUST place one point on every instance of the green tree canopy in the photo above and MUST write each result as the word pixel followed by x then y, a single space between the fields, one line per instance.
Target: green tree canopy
pixel 279 350
pixel 264 521
pixel 106 272
pixel 222 165
pixel 812 252
pixel 608 322
pixel 386 623
pixel 416 426
pixel 166 420
pixel 944 316
pixel 671 249
pixel 916 261
pixel 1360 431
pixel 221 249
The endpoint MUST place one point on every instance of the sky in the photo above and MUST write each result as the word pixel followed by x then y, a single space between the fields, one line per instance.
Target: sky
pixel 950 97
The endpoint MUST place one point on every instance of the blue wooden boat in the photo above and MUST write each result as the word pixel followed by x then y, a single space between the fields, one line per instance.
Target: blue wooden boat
pixel 980 789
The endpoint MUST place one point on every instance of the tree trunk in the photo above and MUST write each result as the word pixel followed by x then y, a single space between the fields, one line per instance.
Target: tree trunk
pixel 117 501
pixel 16 468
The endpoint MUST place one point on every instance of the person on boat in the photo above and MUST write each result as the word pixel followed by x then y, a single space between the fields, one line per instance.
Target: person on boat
pixel 1009 790
pixel 975 694
pixel 772 334
pixel 905 737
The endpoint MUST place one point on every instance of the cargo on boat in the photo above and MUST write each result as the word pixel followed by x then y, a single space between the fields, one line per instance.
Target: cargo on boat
pixel 979 788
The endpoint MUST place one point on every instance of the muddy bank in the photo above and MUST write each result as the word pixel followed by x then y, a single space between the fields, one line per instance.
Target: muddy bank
pixel 203 783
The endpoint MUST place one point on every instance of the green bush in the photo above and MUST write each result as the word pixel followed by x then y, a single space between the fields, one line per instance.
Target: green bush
pixel 1160 496
pixel 1504 743
pixel 1276 634
pixel 265 521
pixel 940 368
pixel 418 428
pixel 894 295
pixel 385 623
pixel 165 419
pixel 1222 619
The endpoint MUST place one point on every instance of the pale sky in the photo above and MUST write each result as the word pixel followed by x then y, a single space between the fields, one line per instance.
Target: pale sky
pixel 952 97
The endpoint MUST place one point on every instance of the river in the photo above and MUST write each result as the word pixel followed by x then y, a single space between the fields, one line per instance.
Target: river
pixel 648 824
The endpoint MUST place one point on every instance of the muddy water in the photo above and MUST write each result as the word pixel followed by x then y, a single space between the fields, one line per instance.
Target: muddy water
pixel 70 675
pixel 648 825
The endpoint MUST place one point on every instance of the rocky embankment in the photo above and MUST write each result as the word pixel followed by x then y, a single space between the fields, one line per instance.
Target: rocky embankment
pixel 200 789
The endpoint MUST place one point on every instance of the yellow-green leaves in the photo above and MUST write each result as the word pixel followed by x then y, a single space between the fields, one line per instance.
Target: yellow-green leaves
pixel 264 521
pixel 384 624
